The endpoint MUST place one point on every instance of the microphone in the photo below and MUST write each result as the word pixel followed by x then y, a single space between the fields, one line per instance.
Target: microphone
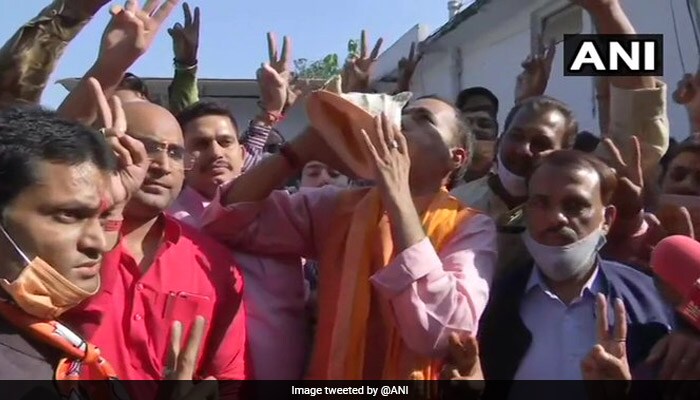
pixel 676 263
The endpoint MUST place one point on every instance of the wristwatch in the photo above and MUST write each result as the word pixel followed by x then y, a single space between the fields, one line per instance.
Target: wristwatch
pixel 290 156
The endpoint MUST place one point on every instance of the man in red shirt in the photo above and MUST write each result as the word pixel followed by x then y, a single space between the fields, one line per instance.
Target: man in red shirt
pixel 163 271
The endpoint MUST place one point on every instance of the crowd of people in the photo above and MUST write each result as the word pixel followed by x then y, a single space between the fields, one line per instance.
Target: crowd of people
pixel 395 238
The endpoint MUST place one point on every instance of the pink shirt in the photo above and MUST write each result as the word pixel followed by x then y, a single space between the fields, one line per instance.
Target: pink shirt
pixel 276 319
pixel 189 207
pixel 432 294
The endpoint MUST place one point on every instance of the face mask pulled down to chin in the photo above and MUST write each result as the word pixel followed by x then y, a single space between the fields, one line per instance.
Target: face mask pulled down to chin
pixel 560 263
pixel 40 290
pixel 515 185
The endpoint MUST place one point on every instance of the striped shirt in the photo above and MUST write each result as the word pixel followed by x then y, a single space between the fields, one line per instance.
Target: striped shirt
pixel 253 141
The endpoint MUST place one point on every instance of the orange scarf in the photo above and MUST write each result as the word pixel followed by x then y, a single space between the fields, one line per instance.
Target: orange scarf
pixel 360 245
pixel 78 352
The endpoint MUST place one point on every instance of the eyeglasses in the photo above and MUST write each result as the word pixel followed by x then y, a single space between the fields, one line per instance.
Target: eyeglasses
pixel 175 152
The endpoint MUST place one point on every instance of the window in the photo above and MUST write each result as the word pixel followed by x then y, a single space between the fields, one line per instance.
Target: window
pixel 556 19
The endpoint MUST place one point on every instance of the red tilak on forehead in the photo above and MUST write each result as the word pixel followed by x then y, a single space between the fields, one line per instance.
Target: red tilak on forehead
pixel 105 203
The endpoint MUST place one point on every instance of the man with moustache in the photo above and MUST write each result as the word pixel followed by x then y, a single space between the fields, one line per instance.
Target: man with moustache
pixel 163 271
pixel 276 314
pixel 539 125
pixel 218 154
pixel 276 317
pixel 540 322
pixel 390 318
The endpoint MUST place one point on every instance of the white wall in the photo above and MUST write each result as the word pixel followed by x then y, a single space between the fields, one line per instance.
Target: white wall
pixel 491 57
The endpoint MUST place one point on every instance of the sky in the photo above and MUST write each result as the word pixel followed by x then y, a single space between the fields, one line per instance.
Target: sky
pixel 232 38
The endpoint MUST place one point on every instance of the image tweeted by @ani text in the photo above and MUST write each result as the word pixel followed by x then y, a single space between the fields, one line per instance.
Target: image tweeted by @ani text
pixel 365 390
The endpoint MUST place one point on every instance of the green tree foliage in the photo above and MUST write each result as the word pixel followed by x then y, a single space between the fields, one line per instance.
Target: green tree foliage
pixel 327 67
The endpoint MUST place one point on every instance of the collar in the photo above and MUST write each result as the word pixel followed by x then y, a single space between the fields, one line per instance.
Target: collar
pixel 172 231
pixel 191 195
pixel 594 285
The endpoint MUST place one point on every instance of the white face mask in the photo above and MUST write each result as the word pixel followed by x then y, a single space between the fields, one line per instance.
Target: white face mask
pixel 515 185
pixel 560 263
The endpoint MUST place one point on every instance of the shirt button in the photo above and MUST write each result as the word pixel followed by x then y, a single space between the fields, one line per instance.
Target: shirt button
pixel 138 317
pixel 139 286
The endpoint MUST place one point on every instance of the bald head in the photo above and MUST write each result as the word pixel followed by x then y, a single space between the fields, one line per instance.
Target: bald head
pixel 145 119
pixel 162 137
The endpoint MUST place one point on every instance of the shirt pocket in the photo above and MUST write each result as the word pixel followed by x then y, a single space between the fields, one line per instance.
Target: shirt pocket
pixel 177 306
pixel 185 307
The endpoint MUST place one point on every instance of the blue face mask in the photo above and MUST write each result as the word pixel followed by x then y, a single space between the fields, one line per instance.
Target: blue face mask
pixel 560 263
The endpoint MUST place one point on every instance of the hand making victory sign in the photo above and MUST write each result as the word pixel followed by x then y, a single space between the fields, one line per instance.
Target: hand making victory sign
pixel 607 361
pixel 275 79
pixel 182 363
pixel 628 197
pixel 186 38
pixel 131 155
pixel 132 30
pixel 536 71
pixel 407 67
pixel 356 72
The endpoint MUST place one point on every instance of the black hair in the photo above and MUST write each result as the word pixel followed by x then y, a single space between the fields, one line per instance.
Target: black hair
pixel 547 103
pixel 203 109
pixel 669 155
pixel 134 83
pixel 462 137
pixel 586 142
pixel 562 159
pixel 29 135
pixel 477 91
pixel 690 145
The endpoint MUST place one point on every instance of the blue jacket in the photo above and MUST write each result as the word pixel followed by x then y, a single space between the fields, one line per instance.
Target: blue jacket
pixel 504 339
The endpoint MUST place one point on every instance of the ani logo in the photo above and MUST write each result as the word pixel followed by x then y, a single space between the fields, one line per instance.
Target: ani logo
pixel 613 55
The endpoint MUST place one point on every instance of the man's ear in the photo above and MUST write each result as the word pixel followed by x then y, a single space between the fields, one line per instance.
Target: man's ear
pixel 460 157
pixel 609 214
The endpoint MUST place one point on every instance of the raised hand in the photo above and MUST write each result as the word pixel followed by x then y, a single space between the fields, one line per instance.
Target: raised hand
pixel 391 159
pixel 275 78
pixel 407 67
pixel 688 94
pixel 607 361
pixel 687 89
pixel 182 363
pixel 131 155
pixel 132 30
pixel 85 7
pixel 628 196
pixel 356 73
pixel 608 358
pixel 536 71
pixel 186 38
